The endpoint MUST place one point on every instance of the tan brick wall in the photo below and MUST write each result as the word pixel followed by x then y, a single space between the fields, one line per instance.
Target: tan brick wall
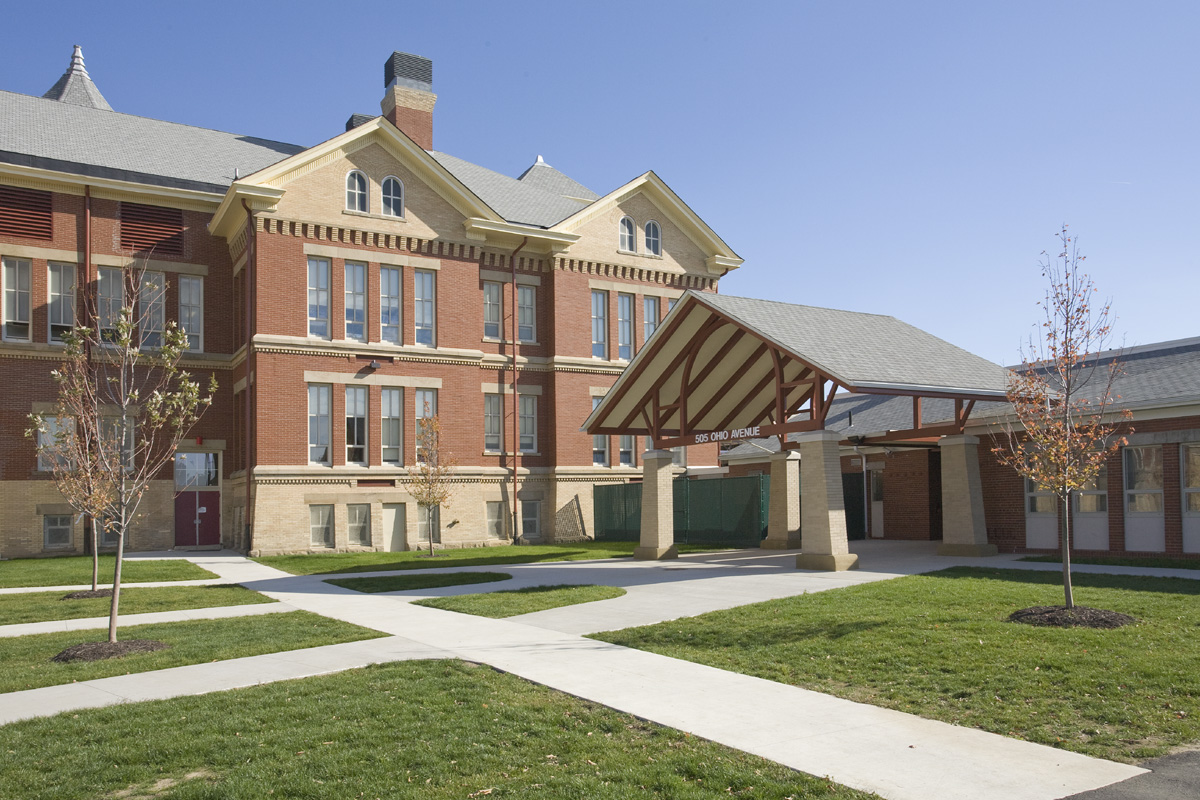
pixel 600 239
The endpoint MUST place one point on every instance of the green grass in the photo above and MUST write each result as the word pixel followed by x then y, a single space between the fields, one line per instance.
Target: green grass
pixel 400 583
pixel 939 646
pixel 1109 561
pixel 27 663
pixel 77 571
pixel 45 606
pixel 443 730
pixel 328 563
pixel 522 601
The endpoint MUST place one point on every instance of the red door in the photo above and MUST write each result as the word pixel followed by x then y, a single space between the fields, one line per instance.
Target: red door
pixel 197 518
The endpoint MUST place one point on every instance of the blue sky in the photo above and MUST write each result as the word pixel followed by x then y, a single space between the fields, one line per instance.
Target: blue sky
pixel 905 158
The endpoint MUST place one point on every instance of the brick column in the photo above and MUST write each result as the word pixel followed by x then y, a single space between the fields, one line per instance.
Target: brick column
pixel 822 510
pixel 658 508
pixel 783 522
pixel 964 530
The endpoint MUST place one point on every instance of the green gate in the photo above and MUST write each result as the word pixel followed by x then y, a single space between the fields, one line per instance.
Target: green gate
pixel 717 511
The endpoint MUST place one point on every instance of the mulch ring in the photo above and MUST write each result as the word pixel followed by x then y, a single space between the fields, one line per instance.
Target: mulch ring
pixel 88 594
pixel 1077 617
pixel 98 651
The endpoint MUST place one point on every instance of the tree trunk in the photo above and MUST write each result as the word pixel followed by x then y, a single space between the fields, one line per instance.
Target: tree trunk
pixel 1068 593
pixel 429 527
pixel 116 590
pixel 90 531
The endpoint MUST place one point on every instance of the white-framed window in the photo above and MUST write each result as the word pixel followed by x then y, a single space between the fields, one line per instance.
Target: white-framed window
pixel 110 292
pixel 194 470
pixel 653 238
pixel 599 324
pixel 526 313
pixel 356 301
pixel 493 413
pixel 426 406
pixel 358 524
pixel 318 297
pixel 625 451
pixel 152 295
pixel 389 304
pixel 624 326
pixel 679 456
pixel 492 305
pixel 110 432
pixel 1191 478
pixel 356 192
pixel 17 281
pixel 393 197
pixel 429 524
pixel 628 240
pixel 599 443
pixel 52 438
pixel 356 425
pixel 191 310
pixel 1144 480
pixel 318 424
pixel 527 423
pixel 650 309
pixel 1093 498
pixel 671 301
pixel 320 526
pixel 531 519
pixel 62 301
pixel 392 425
pixel 424 307
pixel 56 531
pixel 496 519
pixel 1039 499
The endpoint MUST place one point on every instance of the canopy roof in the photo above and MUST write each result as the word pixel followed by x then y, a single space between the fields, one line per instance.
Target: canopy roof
pixel 721 363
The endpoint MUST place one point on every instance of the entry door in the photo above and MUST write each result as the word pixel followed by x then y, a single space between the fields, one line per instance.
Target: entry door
pixel 394 526
pixel 876 504
pixel 197 499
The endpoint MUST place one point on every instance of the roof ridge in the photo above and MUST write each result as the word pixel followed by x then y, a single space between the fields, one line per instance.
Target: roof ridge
pixel 707 295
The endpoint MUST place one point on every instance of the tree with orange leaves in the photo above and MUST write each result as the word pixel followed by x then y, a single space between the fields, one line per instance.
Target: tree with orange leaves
pixel 1063 393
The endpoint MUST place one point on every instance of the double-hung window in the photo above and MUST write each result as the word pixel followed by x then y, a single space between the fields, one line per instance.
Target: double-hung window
pixel 1093 498
pixel 599 443
pixel 62 301
pixel 526 314
pixel 527 423
pixel 53 441
pixel 628 242
pixel 358 519
pixel 1144 480
pixel 496 519
pixel 1039 499
pixel 392 422
pixel 426 406
pixel 109 296
pixel 56 531
pixel 318 297
pixel 599 324
pixel 493 406
pixel 356 192
pixel 653 238
pixel 356 301
pixel 1191 478
pixel 356 425
pixel 151 306
pixel 624 326
pixel 122 438
pixel 625 454
pixel 389 304
pixel 320 526
pixel 492 305
pixel 424 307
pixel 318 424
pixel 649 318
pixel 18 275
pixel 531 515
pixel 191 310
pixel 393 197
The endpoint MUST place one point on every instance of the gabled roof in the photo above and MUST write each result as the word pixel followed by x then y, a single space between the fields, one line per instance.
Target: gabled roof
pixel 544 176
pixel 525 203
pixel 76 87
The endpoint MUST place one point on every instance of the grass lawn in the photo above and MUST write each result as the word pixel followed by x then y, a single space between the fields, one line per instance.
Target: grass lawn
pixel 323 563
pixel 77 571
pixel 418 729
pixel 45 606
pixel 1157 563
pixel 27 663
pixel 400 583
pixel 938 645
pixel 522 601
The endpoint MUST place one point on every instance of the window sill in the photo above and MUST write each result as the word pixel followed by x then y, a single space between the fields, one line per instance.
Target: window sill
pixel 639 255
pixel 523 342
pixel 369 215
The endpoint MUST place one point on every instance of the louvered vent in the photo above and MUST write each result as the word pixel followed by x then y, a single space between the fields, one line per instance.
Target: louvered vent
pixel 25 212
pixel 152 229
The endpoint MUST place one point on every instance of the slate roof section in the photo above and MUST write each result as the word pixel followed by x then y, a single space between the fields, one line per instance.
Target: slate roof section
pixel 107 144
pixel 512 199
pixel 544 176
pixel 864 350
pixel 76 86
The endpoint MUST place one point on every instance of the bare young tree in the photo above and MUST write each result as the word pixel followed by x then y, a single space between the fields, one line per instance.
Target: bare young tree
pixel 123 407
pixel 433 471
pixel 1063 393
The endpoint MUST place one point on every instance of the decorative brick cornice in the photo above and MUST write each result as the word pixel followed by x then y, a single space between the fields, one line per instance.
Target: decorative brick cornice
pixel 641 274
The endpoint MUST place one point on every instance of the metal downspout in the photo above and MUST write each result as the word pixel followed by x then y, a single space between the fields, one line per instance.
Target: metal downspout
pixel 516 409
pixel 251 258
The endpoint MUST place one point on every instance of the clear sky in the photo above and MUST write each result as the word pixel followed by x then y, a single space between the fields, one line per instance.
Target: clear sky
pixel 907 158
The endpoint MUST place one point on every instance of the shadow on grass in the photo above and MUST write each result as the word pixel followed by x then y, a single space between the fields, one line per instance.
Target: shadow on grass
pixel 1086 580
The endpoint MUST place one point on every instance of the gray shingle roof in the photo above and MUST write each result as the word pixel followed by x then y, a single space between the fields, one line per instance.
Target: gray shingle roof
pixel 544 176
pixel 864 350
pixel 76 87
pixel 514 200
pixel 59 136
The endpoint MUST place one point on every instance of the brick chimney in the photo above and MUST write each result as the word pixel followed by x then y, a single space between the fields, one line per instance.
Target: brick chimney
pixel 409 98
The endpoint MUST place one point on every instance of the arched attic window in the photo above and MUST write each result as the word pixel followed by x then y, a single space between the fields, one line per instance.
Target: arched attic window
pixel 628 242
pixel 653 238
pixel 393 197
pixel 356 191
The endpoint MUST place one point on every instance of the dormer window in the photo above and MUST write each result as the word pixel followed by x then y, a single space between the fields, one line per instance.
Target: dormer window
pixel 356 192
pixel 393 197
pixel 653 238
pixel 628 243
